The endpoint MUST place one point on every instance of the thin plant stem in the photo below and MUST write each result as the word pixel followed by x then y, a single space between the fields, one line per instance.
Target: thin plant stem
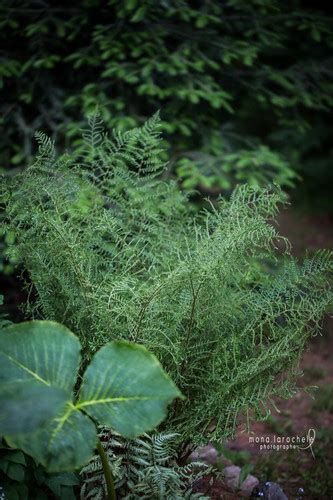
pixel 107 472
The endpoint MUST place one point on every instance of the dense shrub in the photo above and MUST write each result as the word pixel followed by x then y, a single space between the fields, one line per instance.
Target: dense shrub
pixel 245 87
pixel 114 251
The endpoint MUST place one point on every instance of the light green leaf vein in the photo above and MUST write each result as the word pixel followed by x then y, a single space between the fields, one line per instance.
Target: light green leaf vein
pixel 25 368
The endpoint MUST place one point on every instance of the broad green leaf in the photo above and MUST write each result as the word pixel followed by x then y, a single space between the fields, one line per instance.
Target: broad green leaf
pixel 38 368
pixel 42 351
pixel 62 485
pixel 27 405
pixel 139 14
pixel 67 443
pixel 57 481
pixel 16 472
pixel 201 21
pixel 130 4
pixel 126 388
pixel 15 456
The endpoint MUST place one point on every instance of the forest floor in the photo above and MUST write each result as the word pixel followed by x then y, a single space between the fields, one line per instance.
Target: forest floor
pixel 295 469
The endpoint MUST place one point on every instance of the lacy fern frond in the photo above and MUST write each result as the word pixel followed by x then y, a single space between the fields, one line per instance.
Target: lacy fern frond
pixel 142 468
pixel 46 151
pixel 114 251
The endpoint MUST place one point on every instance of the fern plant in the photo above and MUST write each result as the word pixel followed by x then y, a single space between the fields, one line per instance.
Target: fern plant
pixel 145 467
pixel 114 251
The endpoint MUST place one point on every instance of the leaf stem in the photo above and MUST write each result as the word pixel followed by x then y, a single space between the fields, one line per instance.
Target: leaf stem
pixel 107 472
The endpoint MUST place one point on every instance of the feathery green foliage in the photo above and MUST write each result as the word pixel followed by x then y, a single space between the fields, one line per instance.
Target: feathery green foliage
pixel 145 467
pixel 114 251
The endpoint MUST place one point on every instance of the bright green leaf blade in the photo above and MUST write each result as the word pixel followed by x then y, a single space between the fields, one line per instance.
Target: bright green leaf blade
pixel 126 388
pixel 36 355
pixel 42 351
pixel 67 443
pixel 28 405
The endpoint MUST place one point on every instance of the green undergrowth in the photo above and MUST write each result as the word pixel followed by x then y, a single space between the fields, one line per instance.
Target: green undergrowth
pixel 115 251
pixel 22 477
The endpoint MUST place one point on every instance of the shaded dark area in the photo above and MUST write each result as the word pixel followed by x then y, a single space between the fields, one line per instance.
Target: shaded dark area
pixel 244 89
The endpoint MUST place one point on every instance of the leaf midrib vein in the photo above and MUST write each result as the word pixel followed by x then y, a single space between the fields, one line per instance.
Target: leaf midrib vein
pixel 23 367
pixel 119 399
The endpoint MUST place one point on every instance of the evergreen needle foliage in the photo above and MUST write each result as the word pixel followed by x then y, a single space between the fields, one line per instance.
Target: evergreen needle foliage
pixel 145 467
pixel 114 251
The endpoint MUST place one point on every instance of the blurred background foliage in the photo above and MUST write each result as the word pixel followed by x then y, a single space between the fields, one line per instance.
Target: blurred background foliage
pixel 244 88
